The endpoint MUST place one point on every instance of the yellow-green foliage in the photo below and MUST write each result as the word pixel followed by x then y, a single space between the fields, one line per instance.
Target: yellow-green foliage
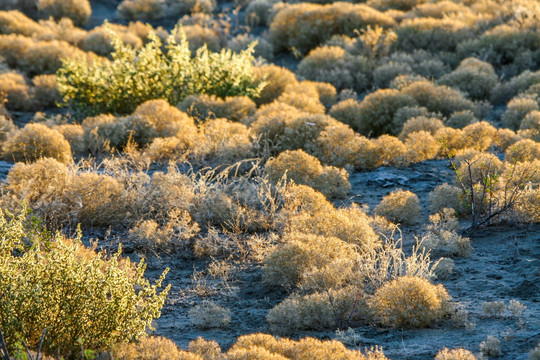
pixel 455 354
pixel 77 10
pixel 36 141
pixel 277 79
pixel 110 299
pixel 334 65
pixel 473 77
pixel 135 76
pixel 151 348
pixel 375 114
pixel 304 26
pixel 517 109
pixel 305 169
pixel 410 302
pixel 400 206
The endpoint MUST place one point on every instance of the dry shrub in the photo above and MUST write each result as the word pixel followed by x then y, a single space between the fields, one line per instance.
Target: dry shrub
pixel 15 22
pixel 386 73
pixel 104 131
pixel 410 302
pixel 421 146
pixel 503 92
pixel 36 141
pixel 442 238
pixel 438 98
pixel 375 114
pixel 209 315
pixel 302 132
pixel 77 10
pixel 327 93
pixel 400 206
pixel 460 119
pixel 523 150
pixel 431 34
pixel 446 196
pixel 403 5
pixel 480 167
pixel 148 235
pixel 13 85
pixel 334 65
pixel 440 9
pixel 204 106
pixel 530 126
pixel 99 39
pixel 6 127
pixel 534 354
pixel 504 138
pixel 198 36
pixel 339 145
pixel 317 311
pixel 491 346
pixel 479 136
pixel 150 348
pixel 511 49
pixel 241 42
pixel 455 354
pixel 444 268
pixel 420 123
pixel 223 142
pixel 517 109
pixel 256 353
pixel 165 150
pixel 277 79
pixel 259 12
pixel 305 169
pixel 473 77
pixel 180 7
pixel 406 113
pixel 350 225
pixel 302 102
pixel 304 26
pixel 452 140
pixel 207 349
pixel 303 253
pixel 74 134
pixel 45 92
pixel 142 9
pixel 391 151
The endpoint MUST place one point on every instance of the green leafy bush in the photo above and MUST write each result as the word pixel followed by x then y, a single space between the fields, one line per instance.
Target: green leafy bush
pixel 83 298
pixel 135 76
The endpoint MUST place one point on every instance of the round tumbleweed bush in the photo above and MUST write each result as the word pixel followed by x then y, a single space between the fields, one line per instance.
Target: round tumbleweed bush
pixel 410 302
pixel 400 206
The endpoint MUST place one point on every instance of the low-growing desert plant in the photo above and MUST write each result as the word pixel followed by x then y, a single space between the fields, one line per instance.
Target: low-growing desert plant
pixel 170 75
pixel 410 302
pixel 517 109
pixel 36 141
pixel 110 300
pixel 455 354
pixel 150 348
pixel 209 315
pixel 400 206
pixel 142 9
pixel 491 346
pixel 77 10
pixel 473 77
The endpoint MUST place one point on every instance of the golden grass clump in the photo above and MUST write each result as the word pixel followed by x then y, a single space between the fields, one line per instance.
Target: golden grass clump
pixel 420 123
pixel 207 349
pixel 460 119
pixel 302 101
pixel 410 302
pixel 277 79
pixel 45 91
pixel 198 35
pixel 15 22
pixel 523 150
pixel 530 126
pixel 103 132
pixel 304 26
pixel 13 85
pixel 400 206
pixel 77 10
pixel 36 141
pixel 305 169
pixel 446 196
pixel 74 134
pixel 403 5
pixel 300 253
pixel 271 121
pixel 391 151
pixel 241 42
pixel 99 39
pixel 151 348
pixel 479 135
pixel 455 354
pixel 421 146
pixel 6 127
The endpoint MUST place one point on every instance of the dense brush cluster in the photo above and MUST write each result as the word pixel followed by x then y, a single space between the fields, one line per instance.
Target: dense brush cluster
pixel 183 139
